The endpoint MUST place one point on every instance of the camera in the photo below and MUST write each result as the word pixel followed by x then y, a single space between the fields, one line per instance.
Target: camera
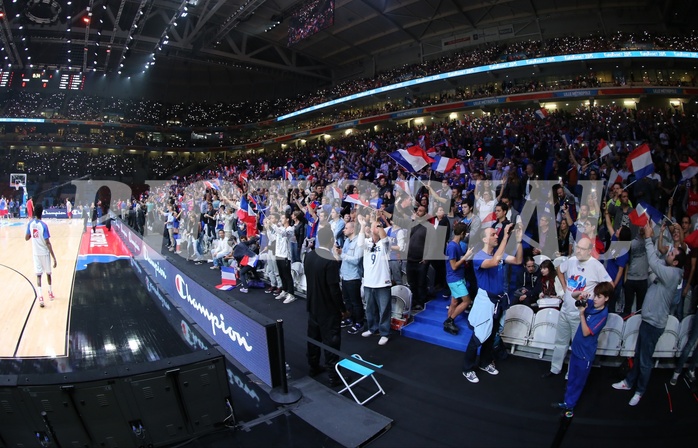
pixel 580 302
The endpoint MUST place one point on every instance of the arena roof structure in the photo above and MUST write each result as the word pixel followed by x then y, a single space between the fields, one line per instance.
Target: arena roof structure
pixel 245 39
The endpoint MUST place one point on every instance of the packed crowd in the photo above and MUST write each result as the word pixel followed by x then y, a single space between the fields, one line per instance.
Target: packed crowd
pixel 592 245
pixel 84 107
pixel 76 163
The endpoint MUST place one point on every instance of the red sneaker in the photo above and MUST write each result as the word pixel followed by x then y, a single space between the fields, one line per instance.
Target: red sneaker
pixel 50 295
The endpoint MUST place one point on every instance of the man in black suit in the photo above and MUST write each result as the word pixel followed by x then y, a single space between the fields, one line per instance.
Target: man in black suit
pixel 325 305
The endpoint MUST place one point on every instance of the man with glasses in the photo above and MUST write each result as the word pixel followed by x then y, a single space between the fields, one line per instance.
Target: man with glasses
pixel 577 274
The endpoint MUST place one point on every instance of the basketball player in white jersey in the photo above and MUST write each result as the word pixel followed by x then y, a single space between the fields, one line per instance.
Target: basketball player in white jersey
pixel 37 231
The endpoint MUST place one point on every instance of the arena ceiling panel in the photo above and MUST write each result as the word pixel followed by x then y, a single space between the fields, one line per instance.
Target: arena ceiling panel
pixel 253 35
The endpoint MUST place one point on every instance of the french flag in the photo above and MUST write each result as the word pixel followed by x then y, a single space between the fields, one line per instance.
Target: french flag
pixel 372 147
pixel 412 159
pixel 316 164
pixel 640 161
pixel 244 176
pixel 355 199
pixel 335 191
pixel 614 178
pixel 604 149
pixel 490 160
pixel 643 213
pixel 211 185
pixel 249 261
pixel 228 278
pixel 542 113
pixel 403 185
pixel 287 175
pixel 688 169
pixel 489 220
pixel 246 211
pixel 443 142
pixel 443 164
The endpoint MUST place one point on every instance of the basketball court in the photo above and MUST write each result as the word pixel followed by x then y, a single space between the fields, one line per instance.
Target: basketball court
pixel 30 331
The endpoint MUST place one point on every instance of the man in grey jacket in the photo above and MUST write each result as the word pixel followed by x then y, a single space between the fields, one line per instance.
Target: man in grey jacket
pixel 636 280
pixel 655 313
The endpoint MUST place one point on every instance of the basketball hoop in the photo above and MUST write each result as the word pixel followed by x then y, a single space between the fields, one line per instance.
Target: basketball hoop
pixel 18 180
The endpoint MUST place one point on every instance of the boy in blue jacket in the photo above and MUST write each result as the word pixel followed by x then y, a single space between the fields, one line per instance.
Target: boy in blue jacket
pixel 593 314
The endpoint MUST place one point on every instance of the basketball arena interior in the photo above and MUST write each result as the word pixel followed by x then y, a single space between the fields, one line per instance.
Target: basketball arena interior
pixel 117 115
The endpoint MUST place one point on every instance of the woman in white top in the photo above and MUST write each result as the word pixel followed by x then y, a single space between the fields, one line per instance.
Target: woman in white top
pixel 485 204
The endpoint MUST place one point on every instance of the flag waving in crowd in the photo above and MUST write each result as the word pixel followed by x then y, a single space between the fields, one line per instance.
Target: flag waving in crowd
pixel 640 162
pixel 412 159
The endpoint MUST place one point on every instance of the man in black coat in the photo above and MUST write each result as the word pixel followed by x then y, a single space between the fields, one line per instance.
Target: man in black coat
pixel 325 305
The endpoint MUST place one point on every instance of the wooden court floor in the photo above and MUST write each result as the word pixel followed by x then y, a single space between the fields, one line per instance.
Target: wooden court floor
pixel 27 330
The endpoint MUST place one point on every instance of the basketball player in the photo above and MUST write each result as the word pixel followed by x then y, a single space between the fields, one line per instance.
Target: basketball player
pixel 37 230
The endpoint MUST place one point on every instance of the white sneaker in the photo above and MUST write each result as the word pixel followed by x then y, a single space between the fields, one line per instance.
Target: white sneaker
pixel 471 376
pixel 367 333
pixel 674 378
pixel 635 400
pixel 383 340
pixel 621 385
pixel 282 295
pixel 244 290
pixel 491 369
pixel 290 298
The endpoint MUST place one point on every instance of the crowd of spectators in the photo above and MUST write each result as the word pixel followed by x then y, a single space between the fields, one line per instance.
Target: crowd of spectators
pixel 76 163
pixel 502 161
pixel 84 107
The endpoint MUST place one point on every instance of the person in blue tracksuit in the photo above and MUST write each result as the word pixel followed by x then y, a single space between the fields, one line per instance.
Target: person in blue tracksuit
pixel 592 315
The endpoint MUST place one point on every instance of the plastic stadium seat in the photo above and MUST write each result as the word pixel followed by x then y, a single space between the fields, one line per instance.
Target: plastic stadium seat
pixel 517 326
pixel 401 300
pixel 558 261
pixel 540 258
pixel 347 364
pixel 298 276
pixel 544 329
pixel 548 302
pixel 669 340
pixel 684 331
pixel 611 337
pixel 630 331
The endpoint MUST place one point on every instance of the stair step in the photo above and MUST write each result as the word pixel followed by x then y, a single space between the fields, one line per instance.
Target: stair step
pixel 427 326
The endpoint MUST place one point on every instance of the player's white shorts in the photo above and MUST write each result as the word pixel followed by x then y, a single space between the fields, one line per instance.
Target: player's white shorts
pixel 42 264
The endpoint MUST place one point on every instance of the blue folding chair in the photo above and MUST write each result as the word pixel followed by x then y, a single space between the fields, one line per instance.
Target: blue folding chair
pixel 363 371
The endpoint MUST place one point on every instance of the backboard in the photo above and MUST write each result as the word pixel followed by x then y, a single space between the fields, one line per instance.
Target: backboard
pixel 18 180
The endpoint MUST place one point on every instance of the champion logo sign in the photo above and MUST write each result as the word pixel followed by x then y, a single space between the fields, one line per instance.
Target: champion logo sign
pixel 217 320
